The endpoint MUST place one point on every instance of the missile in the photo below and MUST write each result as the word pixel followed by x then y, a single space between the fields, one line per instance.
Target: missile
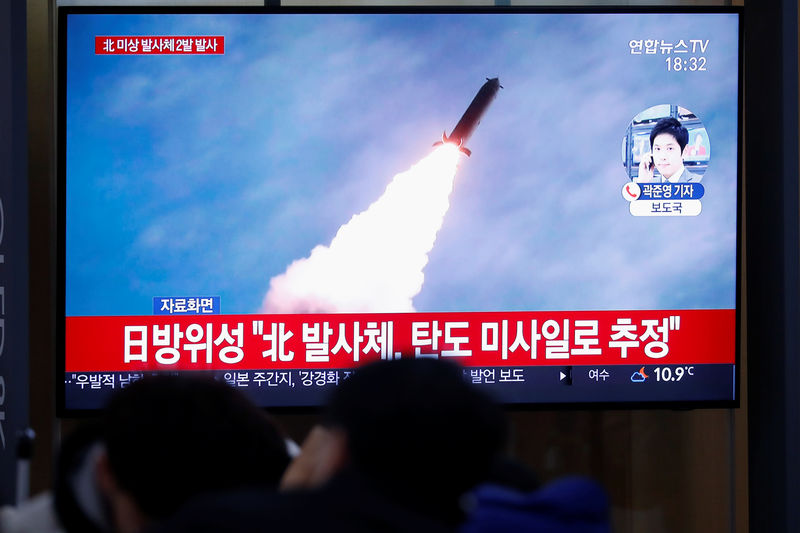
pixel 472 116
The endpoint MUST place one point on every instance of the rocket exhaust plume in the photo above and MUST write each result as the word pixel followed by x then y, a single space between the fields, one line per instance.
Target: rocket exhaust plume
pixel 375 262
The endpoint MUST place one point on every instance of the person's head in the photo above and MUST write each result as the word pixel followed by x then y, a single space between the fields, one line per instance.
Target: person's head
pixel 170 438
pixel 418 431
pixel 668 138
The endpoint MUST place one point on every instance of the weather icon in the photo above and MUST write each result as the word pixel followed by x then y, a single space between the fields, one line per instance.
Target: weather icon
pixel 640 376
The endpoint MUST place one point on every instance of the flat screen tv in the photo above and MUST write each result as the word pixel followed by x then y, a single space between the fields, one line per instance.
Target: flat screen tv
pixel 278 196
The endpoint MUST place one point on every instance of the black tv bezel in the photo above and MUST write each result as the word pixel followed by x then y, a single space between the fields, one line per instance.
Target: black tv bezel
pixel 62 411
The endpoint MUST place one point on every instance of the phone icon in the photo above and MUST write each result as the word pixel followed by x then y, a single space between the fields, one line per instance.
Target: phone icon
pixel 631 191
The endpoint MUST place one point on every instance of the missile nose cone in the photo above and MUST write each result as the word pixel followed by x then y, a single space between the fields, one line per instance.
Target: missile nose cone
pixel 494 82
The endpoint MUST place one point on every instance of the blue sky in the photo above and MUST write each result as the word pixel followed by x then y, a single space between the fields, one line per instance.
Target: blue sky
pixel 208 175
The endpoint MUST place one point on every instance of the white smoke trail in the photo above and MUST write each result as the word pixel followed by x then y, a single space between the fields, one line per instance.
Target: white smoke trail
pixel 375 262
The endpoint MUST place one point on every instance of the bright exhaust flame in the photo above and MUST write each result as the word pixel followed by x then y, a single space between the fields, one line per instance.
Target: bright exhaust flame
pixel 375 262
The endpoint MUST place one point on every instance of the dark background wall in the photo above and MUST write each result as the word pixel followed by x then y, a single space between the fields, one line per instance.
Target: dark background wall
pixel 13 240
pixel 773 239
pixel 41 181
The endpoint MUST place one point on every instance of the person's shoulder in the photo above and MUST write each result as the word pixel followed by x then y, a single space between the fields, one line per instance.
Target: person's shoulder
pixel 340 505
pixel 237 511
pixel 690 177
pixel 568 505
pixel 36 514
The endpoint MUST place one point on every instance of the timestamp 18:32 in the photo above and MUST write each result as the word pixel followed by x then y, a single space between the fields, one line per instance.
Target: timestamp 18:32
pixel 686 64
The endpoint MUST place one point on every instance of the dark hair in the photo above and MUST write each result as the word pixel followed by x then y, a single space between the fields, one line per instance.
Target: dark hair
pixel 418 431
pixel 170 438
pixel 673 127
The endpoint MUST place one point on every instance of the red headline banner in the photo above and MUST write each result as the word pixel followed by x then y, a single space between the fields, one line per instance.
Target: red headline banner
pixel 159 45
pixel 250 342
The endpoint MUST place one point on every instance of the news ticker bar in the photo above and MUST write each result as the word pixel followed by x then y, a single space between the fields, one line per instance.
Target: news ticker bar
pixel 508 385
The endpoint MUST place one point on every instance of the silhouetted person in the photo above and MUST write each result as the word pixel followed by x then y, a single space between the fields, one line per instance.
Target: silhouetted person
pixel 401 443
pixel 163 441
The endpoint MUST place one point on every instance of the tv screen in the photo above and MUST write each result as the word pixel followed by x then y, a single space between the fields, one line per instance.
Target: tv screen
pixel 278 196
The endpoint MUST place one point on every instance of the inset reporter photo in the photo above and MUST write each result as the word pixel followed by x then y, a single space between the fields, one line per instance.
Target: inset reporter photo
pixel 666 143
